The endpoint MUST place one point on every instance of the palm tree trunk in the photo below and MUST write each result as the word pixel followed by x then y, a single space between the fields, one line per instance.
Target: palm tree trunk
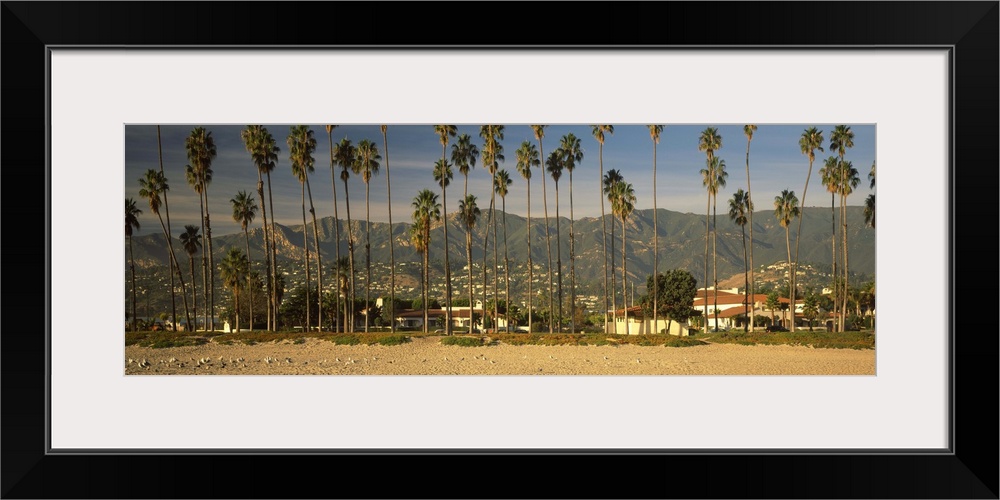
pixel 131 259
pixel 656 238
pixel 427 271
pixel 194 292
pixel 746 283
pixel 604 235
pixel 843 306
pixel 368 255
pixel 798 238
pixel 350 252
pixel 506 267
pixel 204 262
pixel 833 255
pixel 274 255
pixel 559 259
pixel 788 248
pixel 624 280
pixel 708 206
pixel 305 246
pixel 336 222
pixel 267 247
pixel 246 235
pixel 530 298
pixel 496 277
pixel 614 285
pixel 447 264
pixel 715 263
pixel 166 210
pixel 392 255
pixel 752 285
pixel 211 258
pixel 572 260
pixel 486 252
pixel 180 277
pixel 548 238
pixel 319 264
pixel 468 251
pixel 236 297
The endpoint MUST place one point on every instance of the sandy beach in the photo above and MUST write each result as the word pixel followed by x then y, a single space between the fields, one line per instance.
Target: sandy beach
pixel 426 356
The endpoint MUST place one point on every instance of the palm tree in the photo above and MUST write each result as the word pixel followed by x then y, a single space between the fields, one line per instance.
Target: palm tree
pixel 654 134
pixel 811 140
pixel 611 179
pixel 341 269
pixel 166 210
pixel 244 211
pixel 739 208
pixel 527 157
pixel 191 241
pixel 623 202
pixel 849 181
pixel 786 208
pixel 200 152
pixel 870 200
pixel 151 187
pixel 709 141
pixel 829 176
pixel 264 153
pixel 444 132
pixel 132 222
pixel 344 154
pixel 469 214
pixel 301 145
pixel 554 164
pixel 539 131
pixel 502 187
pixel 748 130
pixel 234 268
pixel 713 178
pixel 842 139
pixel 392 255
pixel 425 209
pixel 492 156
pixel 463 155
pixel 336 221
pixel 599 131
pixel 366 164
pixel 572 154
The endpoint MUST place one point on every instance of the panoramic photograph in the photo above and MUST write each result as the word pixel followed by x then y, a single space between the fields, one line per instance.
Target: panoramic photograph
pixel 515 249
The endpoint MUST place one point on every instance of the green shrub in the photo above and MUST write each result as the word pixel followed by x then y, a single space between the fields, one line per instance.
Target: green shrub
pixel 392 340
pixel 462 341
pixel 299 340
pixel 249 341
pixel 683 342
pixel 345 339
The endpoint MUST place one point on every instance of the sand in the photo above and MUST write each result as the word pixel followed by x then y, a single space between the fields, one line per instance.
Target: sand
pixel 426 356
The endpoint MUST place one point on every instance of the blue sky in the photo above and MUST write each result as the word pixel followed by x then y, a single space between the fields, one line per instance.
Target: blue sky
pixel 776 163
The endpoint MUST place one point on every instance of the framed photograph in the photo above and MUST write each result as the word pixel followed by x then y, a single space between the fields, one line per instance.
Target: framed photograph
pixel 111 73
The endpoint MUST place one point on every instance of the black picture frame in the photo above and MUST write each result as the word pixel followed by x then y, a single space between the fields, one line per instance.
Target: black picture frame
pixel 969 471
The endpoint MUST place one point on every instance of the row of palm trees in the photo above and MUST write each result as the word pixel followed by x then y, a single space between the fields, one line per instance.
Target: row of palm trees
pixel 363 160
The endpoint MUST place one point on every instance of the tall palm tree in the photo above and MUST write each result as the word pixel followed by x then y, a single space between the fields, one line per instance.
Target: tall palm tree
pixel 809 142
pixel 713 178
pixel 264 153
pixel 166 211
pixel 302 145
pixel 739 207
pixel 244 211
pixel 234 269
pixel 611 179
pixel 336 221
pixel 425 210
pixel 197 180
pixel 492 156
pixel 200 152
pixel 786 208
pixel 502 187
pixel 654 134
pixel 132 222
pixel 392 254
pixel 572 154
pixel 345 154
pixel 463 155
pixel 748 130
pixel 842 139
pixel 554 164
pixel 709 141
pixel 527 157
pixel 599 131
pixel 444 132
pixel 870 200
pixel 191 241
pixel 469 213
pixel 366 164
pixel 151 187
pixel 829 176
pixel 539 131
pixel 848 182
pixel 443 176
pixel 623 196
